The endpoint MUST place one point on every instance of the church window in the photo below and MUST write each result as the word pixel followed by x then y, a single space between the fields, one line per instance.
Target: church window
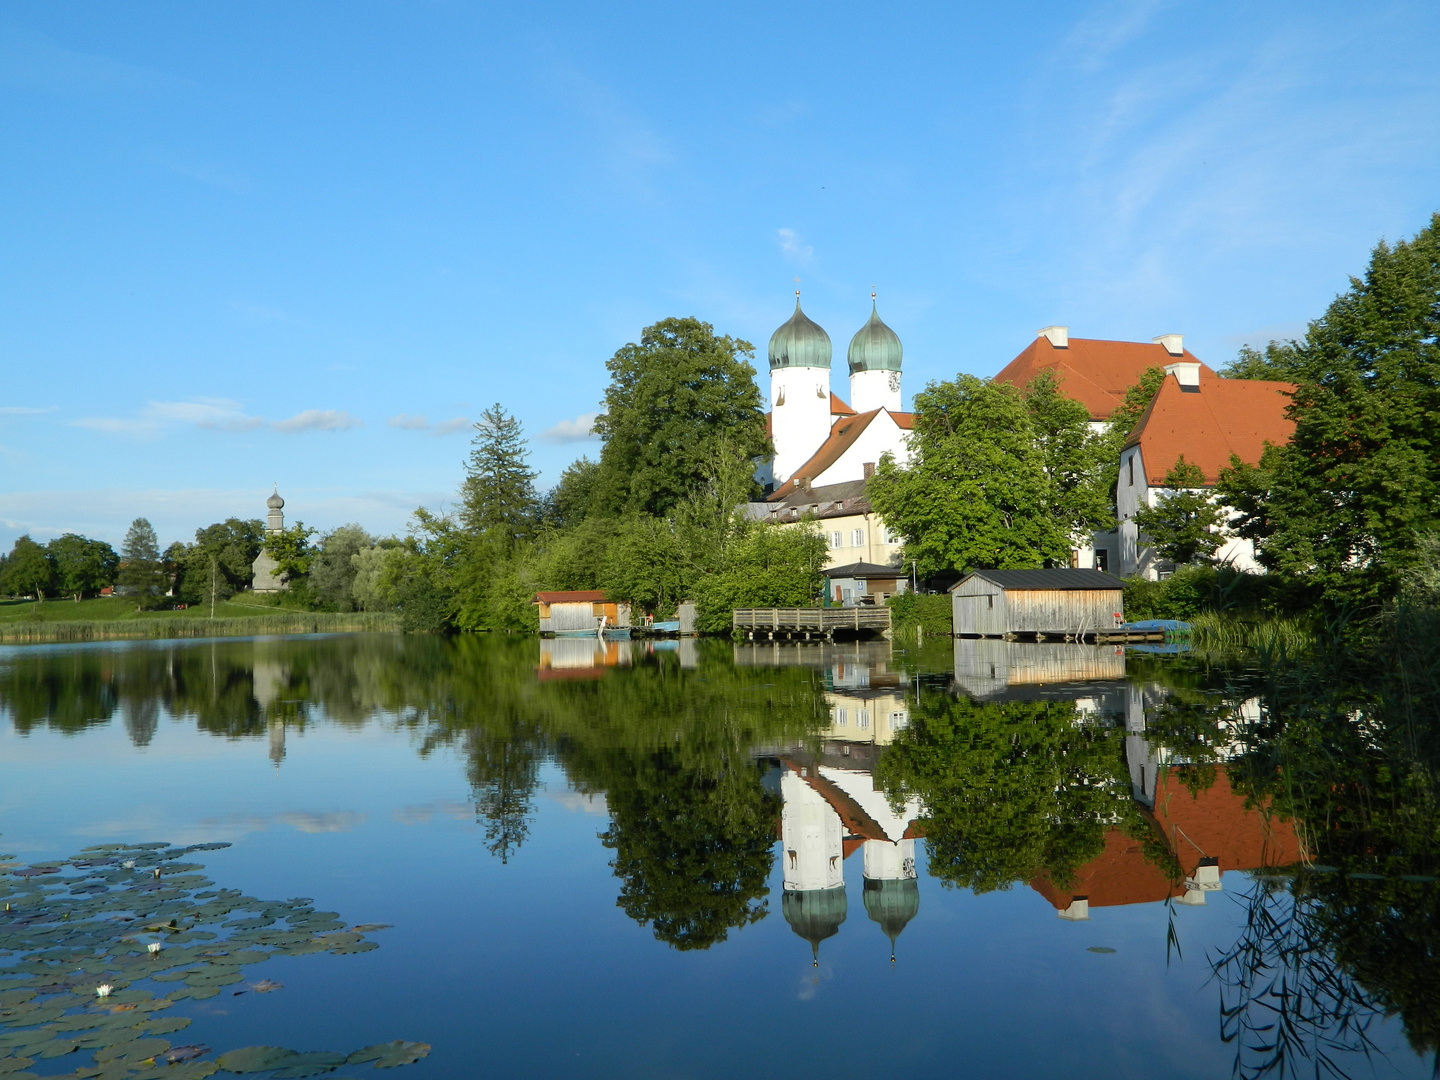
pixel 1131 463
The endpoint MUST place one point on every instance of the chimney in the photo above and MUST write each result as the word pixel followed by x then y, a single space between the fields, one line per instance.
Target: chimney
pixel 869 469
pixel 1058 336
pixel 1187 374
pixel 1174 343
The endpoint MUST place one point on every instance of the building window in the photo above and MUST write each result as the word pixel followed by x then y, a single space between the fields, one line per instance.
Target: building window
pixel 1102 559
pixel 992 602
pixel 857 538
pixel 841 718
pixel 862 719
pixel 1130 461
pixel 837 540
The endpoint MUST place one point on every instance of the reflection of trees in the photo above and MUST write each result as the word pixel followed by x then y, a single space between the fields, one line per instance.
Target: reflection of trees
pixel 693 851
pixel 1346 744
pixel 1010 789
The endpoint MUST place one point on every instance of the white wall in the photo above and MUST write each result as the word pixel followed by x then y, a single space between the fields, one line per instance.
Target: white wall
pixel 872 390
pixel 881 435
pixel 799 416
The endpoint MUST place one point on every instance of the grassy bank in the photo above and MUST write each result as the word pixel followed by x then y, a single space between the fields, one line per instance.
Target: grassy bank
pixel 1226 632
pixel 111 618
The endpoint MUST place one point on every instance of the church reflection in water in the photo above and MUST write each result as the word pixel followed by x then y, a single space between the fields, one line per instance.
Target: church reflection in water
pixel 1190 836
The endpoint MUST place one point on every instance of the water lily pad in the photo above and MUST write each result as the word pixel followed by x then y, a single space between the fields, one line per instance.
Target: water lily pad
pixel 14 1064
pixel 164 1025
pixel 255 1059
pixel 358 947
pixel 312 1063
pixel 370 927
pixel 388 1055
pixel 1099 949
pixel 55 1048
pixel 135 1050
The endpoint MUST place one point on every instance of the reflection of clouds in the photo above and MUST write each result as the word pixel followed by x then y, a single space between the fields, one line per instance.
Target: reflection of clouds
pixel 310 821
pixel 810 982
pixel 421 813
pixel 586 804
pixel 147 824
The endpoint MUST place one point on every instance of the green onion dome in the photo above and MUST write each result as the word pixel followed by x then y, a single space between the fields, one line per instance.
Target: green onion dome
pixel 799 343
pixel 892 904
pixel 876 347
pixel 815 914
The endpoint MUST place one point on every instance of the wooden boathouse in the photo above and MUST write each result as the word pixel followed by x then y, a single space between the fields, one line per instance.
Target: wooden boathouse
pixel 1037 605
pixel 579 611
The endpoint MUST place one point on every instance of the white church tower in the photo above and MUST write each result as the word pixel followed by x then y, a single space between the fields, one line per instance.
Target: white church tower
pixel 812 843
pixel 874 356
pixel 799 392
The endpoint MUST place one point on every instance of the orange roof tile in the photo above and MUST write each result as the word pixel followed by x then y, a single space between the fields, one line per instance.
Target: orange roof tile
pixel 1095 373
pixel 1226 416
pixel 593 596
pixel 839 408
pixel 1121 874
pixel 1215 822
pixel 843 433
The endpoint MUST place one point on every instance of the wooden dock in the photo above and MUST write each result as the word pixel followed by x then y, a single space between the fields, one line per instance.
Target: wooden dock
pixel 808 622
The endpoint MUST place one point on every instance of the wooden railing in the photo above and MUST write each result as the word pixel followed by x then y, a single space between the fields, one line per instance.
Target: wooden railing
pixel 813 619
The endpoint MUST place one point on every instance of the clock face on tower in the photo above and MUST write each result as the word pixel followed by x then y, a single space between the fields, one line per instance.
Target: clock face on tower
pixel 894 382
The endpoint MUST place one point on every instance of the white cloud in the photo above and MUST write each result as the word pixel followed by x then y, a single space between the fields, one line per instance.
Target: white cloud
pixel 218 414
pixel 793 246
pixel 21 410
pixel 577 430
pixel 417 422
pixel 329 821
pixel 318 420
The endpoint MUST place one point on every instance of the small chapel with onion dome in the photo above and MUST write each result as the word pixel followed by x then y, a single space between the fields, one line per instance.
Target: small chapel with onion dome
pixel 820 439
pixel 265 576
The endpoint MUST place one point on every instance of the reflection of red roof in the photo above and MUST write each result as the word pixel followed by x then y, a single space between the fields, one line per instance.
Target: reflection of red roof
pixel 1227 416
pixel 1213 823
pixel 580 596
pixel 1093 372
pixel 1119 875
pixel 1216 822
pixel 852 814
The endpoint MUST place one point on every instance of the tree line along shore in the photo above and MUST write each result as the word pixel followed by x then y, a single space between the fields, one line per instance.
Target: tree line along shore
pixel 1344 518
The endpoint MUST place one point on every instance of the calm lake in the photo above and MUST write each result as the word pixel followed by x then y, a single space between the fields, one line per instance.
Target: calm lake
pixel 564 858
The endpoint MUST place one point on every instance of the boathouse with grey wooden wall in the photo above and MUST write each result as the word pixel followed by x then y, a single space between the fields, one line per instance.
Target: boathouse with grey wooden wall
pixel 1037 604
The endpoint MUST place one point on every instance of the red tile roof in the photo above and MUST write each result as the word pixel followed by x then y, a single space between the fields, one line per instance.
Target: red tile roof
pixel 843 433
pixel 1227 416
pixel 839 408
pixel 582 596
pixel 1093 372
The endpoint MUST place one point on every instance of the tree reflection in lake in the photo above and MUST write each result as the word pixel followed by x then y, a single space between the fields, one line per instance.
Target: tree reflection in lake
pixel 1096 777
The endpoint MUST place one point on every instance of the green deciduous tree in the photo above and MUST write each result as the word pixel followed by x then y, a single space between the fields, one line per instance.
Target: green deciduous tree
pixel 677 400
pixel 1347 502
pixel 497 498
pixel 292 552
pixel 82 565
pixel 220 561
pixel 763 566
pixel 572 499
pixel 1184 524
pixel 333 569
pixel 141 570
pixel 28 570
pixel 998 478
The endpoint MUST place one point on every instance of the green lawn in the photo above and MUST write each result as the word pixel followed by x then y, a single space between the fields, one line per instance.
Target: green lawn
pixel 115 608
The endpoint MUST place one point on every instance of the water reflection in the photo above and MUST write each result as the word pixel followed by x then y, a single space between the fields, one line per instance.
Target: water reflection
pixel 1092 777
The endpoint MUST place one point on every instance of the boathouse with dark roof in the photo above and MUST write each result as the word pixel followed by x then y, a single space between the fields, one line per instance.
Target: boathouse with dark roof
pixel 1037 605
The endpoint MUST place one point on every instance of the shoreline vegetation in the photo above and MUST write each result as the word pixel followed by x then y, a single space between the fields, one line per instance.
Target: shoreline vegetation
pixel 111 619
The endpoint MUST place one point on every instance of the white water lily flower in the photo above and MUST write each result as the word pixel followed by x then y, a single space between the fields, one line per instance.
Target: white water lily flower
pixel 154 947
pixel 128 864
pixel 103 990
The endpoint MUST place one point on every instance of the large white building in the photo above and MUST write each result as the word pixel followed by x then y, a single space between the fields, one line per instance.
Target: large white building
pixel 819 439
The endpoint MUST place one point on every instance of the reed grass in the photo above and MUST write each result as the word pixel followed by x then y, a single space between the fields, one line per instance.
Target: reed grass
pixel 159 627
pixel 1213 630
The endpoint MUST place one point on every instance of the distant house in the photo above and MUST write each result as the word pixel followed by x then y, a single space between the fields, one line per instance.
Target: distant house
pixel 864 583
pixel 1206 418
pixel 1037 604
pixel 853 531
pixel 581 610
pixel 1096 373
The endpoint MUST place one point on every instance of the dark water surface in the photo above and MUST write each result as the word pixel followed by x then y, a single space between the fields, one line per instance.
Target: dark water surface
pixel 699 859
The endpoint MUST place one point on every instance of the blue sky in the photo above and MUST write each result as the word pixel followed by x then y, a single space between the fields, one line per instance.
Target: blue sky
pixel 263 242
